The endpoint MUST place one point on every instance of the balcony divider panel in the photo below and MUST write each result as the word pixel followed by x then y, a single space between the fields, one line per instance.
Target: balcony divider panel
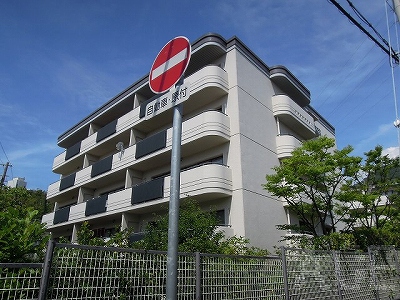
pixel 106 131
pixel 102 166
pixel 61 215
pixel 96 205
pixel 151 144
pixel 147 191
pixel 67 181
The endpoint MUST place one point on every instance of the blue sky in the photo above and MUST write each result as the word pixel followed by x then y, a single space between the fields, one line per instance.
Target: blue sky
pixel 60 60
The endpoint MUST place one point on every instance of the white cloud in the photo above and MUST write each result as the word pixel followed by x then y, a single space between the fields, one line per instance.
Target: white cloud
pixel 85 84
pixel 393 152
pixel 379 137
pixel 28 151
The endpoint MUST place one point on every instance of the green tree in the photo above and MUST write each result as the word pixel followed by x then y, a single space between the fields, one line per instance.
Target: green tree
pixel 23 198
pixel 374 203
pixel 197 231
pixel 85 236
pixel 22 236
pixel 310 182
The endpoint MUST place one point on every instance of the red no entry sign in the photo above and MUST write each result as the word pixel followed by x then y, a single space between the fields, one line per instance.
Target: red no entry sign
pixel 169 65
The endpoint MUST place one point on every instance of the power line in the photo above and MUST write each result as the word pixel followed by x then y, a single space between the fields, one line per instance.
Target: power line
pixel 344 79
pixel 4 151
pixel 339 104
pixel 345 126
pixel 389 51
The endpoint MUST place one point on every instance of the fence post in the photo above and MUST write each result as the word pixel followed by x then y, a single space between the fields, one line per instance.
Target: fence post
pixel 285 273
pixel 396 260
pixel 199 272
pixel 44 281
pixel 337 273
pixel 372 263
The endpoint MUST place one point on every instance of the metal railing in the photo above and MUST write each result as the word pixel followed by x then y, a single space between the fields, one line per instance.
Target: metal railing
pixel 89 272
pixel 20 280
pixel 342 275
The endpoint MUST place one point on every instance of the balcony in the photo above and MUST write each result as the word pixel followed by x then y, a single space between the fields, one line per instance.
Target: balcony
pixel 206 182
pixel 206 85
pixel 293 116
pixel 199 133
pixel 204 131
pixel 290 85
pixel 285 144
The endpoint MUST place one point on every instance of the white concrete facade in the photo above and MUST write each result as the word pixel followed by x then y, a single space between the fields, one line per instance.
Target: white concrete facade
pixel 17 182
pixel 241 119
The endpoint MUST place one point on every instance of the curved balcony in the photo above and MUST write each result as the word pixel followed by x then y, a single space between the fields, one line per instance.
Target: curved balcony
pixel 211 81
pixel 291 86
pixel 291 114
pixel 204 131
pixel 199 133
pixel 285 144
pixel 206 182
pixel 206 85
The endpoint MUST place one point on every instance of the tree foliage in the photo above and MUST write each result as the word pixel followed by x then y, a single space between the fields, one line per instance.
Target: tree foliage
pixel 23 198
pixel 375 204
pixel 85 236
pixel 310 182
pixel 22 236
pixel 322 185
pixel 197 231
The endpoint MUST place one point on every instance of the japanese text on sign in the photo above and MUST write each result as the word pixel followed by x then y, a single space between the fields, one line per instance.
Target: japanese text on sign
pixel 168 100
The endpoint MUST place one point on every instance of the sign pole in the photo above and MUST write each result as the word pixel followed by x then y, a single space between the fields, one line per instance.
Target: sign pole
pixel 172 255
pixel 168 70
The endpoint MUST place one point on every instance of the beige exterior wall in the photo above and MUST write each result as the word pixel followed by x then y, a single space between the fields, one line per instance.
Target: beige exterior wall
pixel 238 122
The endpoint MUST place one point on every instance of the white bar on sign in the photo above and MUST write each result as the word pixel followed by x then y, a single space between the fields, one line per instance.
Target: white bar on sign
pixel 173 61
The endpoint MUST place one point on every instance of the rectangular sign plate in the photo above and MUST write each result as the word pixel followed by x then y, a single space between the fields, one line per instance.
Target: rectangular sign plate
pixel 168 100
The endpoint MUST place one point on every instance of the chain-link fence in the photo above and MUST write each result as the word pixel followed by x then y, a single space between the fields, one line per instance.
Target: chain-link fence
pixel 86 272
pixel 20 281
pixel 386 270
pixel 334 275
pixel 235 277
pixel 80 272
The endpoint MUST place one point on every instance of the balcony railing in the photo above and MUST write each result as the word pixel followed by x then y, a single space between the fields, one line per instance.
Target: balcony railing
pixel 285 144
pixel 211 79
pixel 209 181
pixel 291 114
pixel 203 131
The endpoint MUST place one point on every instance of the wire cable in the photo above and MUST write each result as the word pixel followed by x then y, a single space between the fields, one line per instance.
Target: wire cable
pixel 340 103
pixel 362 18
pixel 397 121
pixel 4 151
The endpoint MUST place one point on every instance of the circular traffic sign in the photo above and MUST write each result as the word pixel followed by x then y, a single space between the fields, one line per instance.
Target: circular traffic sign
pixel 169 65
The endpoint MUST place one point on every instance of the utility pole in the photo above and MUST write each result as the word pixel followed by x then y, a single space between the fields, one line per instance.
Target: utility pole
pixel 3 178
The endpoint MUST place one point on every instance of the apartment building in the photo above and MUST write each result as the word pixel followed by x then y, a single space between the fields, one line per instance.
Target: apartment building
pixel 241 118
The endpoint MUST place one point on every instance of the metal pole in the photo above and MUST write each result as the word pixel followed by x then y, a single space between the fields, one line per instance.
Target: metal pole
pixel 336 263
pixel 285 273
pixel 198 276
pixel 172 255
pixel 373 271
pixel 44 281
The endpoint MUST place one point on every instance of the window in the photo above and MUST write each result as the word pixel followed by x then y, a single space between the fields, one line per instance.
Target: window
pixel 221 217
